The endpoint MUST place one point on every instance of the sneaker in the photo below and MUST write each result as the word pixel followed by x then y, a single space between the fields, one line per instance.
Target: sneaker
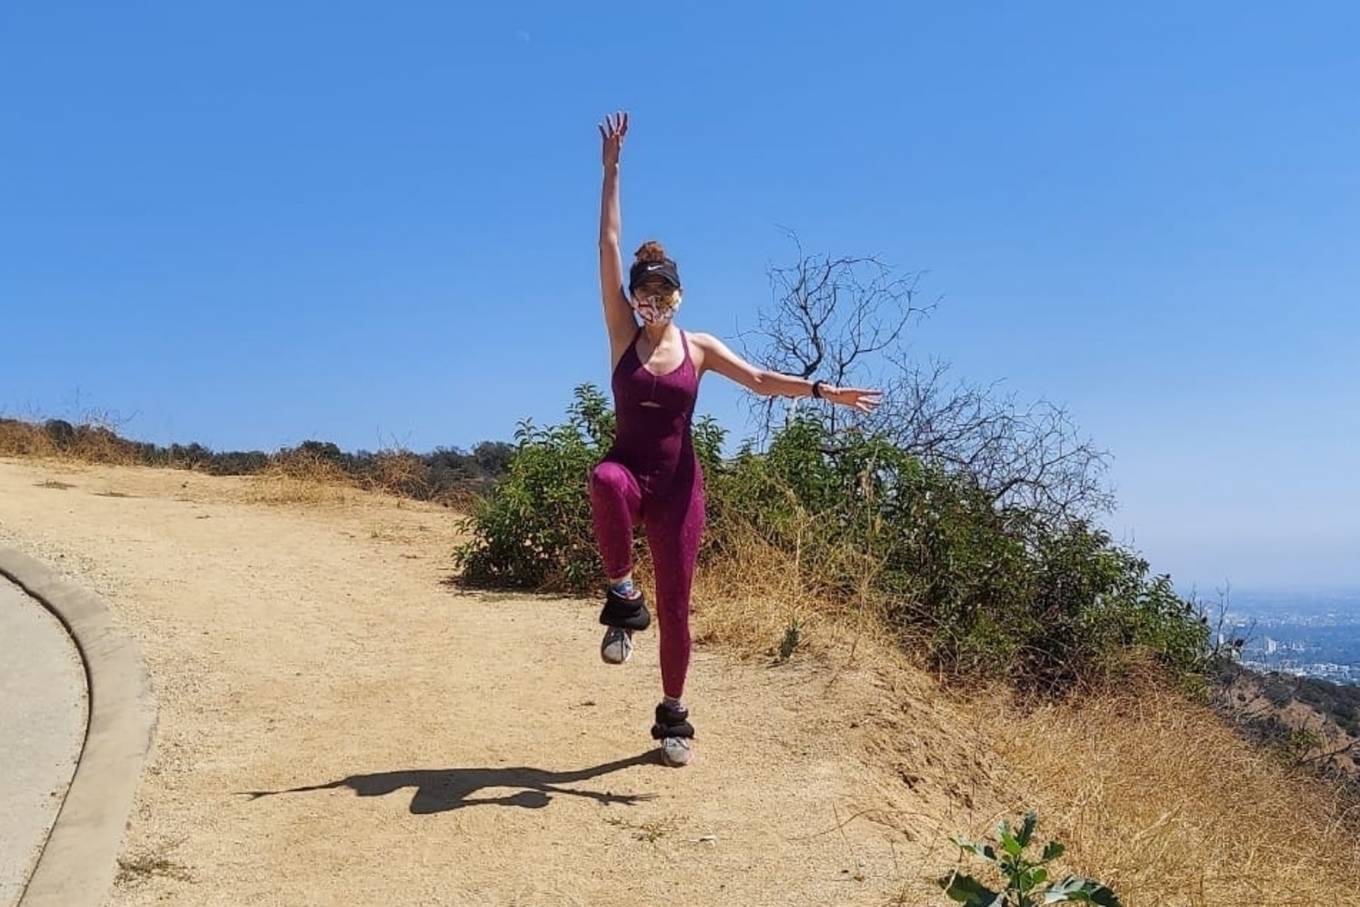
pixel 677 751
pixel 675 733
pixel 617 645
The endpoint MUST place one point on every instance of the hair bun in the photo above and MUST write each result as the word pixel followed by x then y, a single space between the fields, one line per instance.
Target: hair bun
pixel 651 250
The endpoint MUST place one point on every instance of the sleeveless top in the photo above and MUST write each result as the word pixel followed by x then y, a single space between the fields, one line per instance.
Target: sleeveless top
pixel 653 414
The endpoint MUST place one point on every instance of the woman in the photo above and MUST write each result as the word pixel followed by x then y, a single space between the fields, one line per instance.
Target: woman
pixel 651 474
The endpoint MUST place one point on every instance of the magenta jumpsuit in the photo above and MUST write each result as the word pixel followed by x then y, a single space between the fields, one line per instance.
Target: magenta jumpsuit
pixel 652 475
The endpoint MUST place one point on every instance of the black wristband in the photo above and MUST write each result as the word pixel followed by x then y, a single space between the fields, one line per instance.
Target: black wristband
pixel 817 389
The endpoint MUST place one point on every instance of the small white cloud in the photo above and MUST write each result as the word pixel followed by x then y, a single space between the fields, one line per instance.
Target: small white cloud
pixel 523 35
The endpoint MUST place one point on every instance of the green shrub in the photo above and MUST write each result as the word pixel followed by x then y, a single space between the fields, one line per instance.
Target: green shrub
pixel 978 587
pixel 533 530
pixel 1026 879
pixel 973 586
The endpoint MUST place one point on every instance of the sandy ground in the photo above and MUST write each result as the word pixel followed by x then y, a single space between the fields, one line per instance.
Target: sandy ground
pixel 43 708
pixel 339 725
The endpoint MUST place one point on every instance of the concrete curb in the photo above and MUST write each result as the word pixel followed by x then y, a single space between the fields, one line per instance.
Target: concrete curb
pixel 80 858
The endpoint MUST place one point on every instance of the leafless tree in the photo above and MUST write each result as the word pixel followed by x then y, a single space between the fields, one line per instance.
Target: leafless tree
pixel 1028 455
pixel 846 320
pixel 830 317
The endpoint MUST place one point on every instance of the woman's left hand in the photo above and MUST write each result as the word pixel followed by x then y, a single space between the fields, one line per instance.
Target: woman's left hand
pixel 860 398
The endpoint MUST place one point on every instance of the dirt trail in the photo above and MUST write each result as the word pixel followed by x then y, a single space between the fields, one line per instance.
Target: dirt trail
pixel 457 748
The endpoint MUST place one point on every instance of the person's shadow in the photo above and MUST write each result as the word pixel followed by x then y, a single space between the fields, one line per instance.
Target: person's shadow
pixel 439 790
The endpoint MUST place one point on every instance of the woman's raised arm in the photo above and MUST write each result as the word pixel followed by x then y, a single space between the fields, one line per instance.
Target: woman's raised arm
pixel 618 314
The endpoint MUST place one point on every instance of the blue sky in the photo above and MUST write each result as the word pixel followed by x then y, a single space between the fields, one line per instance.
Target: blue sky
pixel 252 224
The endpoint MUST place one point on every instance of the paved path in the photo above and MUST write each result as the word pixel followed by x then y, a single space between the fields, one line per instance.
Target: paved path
pixel 42 727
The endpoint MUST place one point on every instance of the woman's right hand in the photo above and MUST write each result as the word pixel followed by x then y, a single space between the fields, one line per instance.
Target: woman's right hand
pixel 612 131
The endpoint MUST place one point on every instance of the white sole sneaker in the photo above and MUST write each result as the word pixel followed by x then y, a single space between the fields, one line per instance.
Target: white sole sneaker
pixel 677 751
pixel 617 645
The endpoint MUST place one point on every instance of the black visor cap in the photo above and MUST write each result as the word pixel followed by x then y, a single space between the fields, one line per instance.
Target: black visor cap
pixel 642 270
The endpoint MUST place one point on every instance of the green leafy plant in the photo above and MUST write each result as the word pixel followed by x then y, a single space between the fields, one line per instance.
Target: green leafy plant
pixel 1301 742
pixel 533 530
pixel 974 587
pixel 977 588
pixel 1026 879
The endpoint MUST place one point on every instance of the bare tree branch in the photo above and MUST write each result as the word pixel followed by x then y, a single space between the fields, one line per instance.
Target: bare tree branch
pixel 846 319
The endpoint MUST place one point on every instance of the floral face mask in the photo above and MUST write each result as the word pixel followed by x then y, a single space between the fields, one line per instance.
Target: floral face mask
pixel 656 308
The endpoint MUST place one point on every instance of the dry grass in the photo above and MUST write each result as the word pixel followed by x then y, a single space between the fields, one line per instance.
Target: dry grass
pixel 290 478
pixel 459 500
pixel 25 439
pixel 92 441
pixel 758 598
pixel 136 870
pixel 96 443
pixel 1154 794
pixel 1150 790
pixel 301 479
pixel 399 472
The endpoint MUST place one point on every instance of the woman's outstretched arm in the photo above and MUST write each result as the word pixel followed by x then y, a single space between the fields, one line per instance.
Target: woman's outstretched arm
pixel 718 358
pixel 618 314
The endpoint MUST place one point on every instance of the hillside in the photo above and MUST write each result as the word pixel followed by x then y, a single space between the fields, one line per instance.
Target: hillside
pixel 1316 720
pixel 339 724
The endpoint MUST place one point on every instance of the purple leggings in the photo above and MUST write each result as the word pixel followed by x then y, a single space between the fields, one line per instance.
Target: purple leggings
pixel 674 527
pixel 651 476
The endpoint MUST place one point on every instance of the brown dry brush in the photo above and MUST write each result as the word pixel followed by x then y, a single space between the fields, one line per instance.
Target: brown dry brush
pixel 292 475
pixel 25 439
pixel 1149 788
pixel 767 601
pixel 1157 795
pixel 93 441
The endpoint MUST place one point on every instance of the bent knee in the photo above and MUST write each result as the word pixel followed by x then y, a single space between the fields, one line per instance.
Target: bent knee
pixel 609 476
